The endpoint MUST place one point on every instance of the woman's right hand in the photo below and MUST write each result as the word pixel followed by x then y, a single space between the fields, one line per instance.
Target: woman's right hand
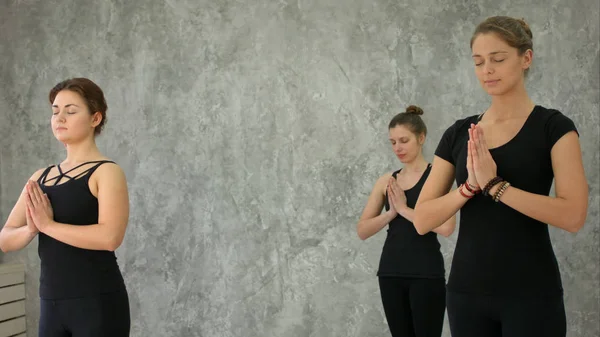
pixel 30 224
pixel 471 180
pixel 391 200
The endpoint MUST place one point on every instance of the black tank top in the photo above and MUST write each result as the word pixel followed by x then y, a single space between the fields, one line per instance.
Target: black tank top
pixel 67 271
pixel 406 253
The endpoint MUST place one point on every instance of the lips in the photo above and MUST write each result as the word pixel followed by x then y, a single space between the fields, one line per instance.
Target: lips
pixel 492 81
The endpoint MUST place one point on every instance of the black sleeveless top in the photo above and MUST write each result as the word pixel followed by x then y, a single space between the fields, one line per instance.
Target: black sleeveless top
pixel 499 250
pixel 406 253
pixel 68 271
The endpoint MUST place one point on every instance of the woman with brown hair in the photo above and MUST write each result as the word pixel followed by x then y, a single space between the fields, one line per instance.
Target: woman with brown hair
pixel 505 279
pixel 411 270
pixel 79 211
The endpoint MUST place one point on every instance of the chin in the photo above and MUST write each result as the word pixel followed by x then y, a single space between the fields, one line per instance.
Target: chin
pixel 62 139
pixel 499 90
pixel 496 91
pixel 406 160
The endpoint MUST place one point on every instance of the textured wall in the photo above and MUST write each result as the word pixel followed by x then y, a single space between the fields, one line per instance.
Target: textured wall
pixel 251 133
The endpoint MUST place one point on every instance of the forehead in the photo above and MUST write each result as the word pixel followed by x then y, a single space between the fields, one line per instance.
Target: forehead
pixel 400 131
pixel 65 97
pixel 489 43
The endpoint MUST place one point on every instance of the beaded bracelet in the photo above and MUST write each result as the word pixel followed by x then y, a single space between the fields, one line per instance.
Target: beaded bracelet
pixel 501 190
pixel 490 184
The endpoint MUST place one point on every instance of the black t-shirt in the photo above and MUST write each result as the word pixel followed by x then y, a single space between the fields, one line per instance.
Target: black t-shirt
pixel 500 250
pixel 406 253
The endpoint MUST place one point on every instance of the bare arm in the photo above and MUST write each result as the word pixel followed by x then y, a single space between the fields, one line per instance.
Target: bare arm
pixel 15 234
pixel 568 210
pixel 436 205
pixel 113 215
pixel 446 229
pixel 372 220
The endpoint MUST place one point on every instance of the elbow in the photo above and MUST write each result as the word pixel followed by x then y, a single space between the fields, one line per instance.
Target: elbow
pixel 418 223
pixel 113 243
pixel 575 226
pixel 421 230
pixel 3 242
pixel 449 228
pixel 446 232
pixel 361 235
pixel 6 248
pixel 575 222
pixel 112 246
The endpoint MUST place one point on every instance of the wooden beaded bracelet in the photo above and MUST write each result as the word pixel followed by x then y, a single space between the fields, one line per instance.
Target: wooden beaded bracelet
pixel 501 190
pixel 490 184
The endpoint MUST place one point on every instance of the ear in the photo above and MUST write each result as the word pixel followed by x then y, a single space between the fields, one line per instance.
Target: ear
pixel 96 119
pixel 527 59
pixel 422 139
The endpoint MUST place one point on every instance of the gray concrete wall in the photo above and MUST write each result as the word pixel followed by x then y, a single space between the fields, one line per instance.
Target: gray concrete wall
pixel 251 133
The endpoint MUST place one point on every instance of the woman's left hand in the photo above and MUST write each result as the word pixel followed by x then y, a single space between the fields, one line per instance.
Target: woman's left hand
pixel 483 163
pixel 38 206
pixel 397 195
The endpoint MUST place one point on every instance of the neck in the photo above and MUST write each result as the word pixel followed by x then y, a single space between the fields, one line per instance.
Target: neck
pixel 417 165
pixel 81 152
pixel 513 104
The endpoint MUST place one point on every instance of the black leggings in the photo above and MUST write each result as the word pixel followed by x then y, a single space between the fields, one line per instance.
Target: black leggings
pixel 414 307
pixel 494 316
pixel 97 316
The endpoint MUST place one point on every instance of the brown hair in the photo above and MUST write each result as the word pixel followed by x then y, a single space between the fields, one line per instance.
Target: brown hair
pixel 91 94
pixel 515 32
pixel 411 118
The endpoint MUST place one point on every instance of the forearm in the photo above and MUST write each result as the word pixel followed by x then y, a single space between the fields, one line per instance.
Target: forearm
pixel 94 237
pixel 15 238
pixel 555 211
pixel 431 214
pixel 369 227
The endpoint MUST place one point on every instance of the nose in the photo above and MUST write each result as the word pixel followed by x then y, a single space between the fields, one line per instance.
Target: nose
pixel 60 116
pixel 488 68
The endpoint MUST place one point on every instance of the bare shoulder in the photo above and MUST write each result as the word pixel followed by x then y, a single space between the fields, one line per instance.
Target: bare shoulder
pixel 109 176
pixel 384 178
pixel 110 171
pixel 37 174
pixel 382 182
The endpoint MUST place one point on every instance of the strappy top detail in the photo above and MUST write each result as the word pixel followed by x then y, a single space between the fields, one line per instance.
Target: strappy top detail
pixel 58 180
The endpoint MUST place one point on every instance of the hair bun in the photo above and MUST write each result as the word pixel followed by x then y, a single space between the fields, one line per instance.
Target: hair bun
pixel 415 110
pixel 525 27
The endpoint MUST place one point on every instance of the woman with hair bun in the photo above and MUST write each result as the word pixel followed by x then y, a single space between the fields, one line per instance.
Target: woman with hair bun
pixel 411 269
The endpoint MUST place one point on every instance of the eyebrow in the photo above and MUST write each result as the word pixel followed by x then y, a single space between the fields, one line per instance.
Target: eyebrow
pixel 66 106
pixel 492 53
